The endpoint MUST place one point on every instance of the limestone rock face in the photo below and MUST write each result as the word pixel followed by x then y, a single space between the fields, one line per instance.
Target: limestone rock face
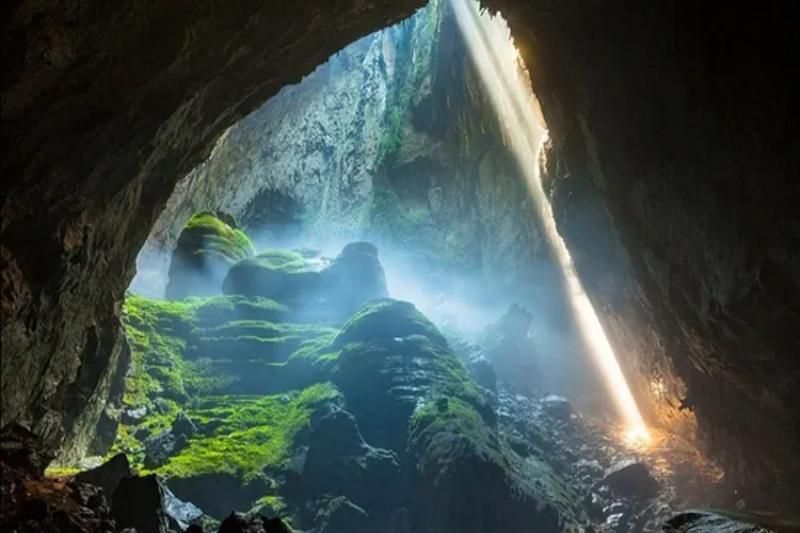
pixel 309 153
pixel 393 140
pixel 697 278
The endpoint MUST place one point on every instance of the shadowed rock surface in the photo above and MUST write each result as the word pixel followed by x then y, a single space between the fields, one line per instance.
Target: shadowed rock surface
pixel 675 123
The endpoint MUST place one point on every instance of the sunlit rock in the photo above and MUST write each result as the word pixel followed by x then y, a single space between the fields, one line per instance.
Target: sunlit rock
pixel 208 245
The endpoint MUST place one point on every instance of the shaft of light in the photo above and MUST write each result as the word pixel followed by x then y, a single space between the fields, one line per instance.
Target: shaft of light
pixel 496 59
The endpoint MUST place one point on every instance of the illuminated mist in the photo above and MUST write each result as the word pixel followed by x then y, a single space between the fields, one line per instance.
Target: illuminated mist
pixel 497 61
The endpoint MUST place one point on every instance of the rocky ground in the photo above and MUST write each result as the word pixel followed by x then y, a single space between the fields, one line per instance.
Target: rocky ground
pixel 306 399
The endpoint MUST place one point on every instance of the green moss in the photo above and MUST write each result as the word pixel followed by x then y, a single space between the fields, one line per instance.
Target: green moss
pixel 208 234
pixel 286 260
pixel 61 471
pixel 255 340
pixel 221 309
pixel 155 330
pixel 386 319
pixel 250 434
pixel 446 428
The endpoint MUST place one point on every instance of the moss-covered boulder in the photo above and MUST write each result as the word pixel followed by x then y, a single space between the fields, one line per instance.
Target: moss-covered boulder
pixel 316 289
pixel 372 423
pixel 410 393
pixel 392 358
pixel 207 247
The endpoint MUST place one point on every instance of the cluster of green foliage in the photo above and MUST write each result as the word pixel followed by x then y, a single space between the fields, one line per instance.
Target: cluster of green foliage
pixel 250 433
pixel 208 235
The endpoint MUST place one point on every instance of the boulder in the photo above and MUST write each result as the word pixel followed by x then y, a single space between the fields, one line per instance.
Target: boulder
pixel 182 513
pixel 355 276
pixel 631 479
pixel 388 321
pixel 313 287
pixel 511 351
pixel 138 502
pixel 159 448
pixel 207 247
pixel 32 503
pixel 218 493
pixel 183 425
pixel 342 515
pixel 241 523
pixel 556 407
pixel 712 522
pixel 134 415
pixel 338 461
pixel 107 475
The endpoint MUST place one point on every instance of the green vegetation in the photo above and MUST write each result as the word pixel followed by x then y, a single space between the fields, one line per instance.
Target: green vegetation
pixel 285 260
pixel 177 351
pixel 220 309
pixel 446 428
pixel 250 433
pixel 386 319
pixel 207 234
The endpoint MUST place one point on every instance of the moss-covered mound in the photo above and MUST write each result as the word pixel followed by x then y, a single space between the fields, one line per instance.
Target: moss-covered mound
pixel 410 393
pixel 314 288
pixel 387 320
pixel 337 429
pixel 206 249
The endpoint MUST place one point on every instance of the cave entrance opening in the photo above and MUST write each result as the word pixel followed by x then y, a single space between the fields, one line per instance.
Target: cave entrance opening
pixel 276 363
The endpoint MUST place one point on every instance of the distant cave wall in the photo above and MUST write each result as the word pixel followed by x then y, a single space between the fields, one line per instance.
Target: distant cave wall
pixel 392 139
pixel 679 118
pixel 104 107
pixel 315 145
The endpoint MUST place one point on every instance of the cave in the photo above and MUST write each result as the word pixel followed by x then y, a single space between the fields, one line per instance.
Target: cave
pixel 396 266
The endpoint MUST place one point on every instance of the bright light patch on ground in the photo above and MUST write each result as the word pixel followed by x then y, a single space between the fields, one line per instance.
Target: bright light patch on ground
pixel 497 61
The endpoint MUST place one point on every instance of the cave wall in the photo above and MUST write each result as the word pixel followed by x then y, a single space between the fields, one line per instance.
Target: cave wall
pixel 104 107
pixel 676 118
pixel 677 115
pixel 314 145
pixel 392 140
